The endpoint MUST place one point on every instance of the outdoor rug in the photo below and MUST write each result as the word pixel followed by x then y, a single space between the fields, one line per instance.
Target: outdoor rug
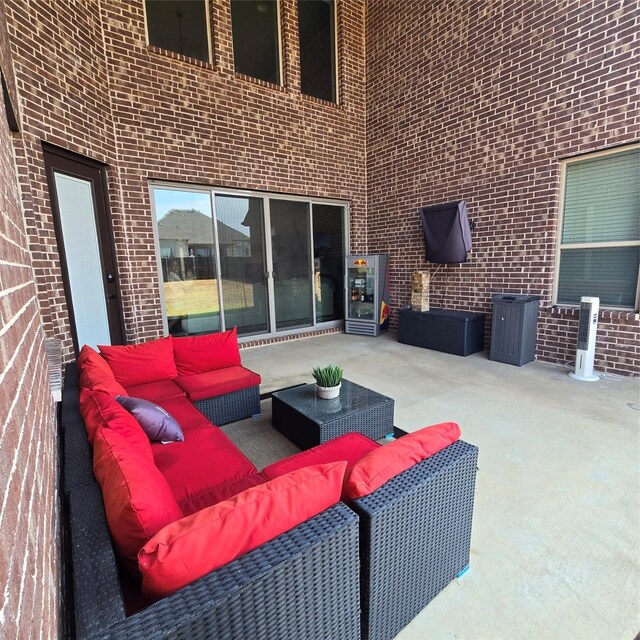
pixel 258 440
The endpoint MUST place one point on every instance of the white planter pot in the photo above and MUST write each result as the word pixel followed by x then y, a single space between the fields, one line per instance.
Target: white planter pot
pixel 326 393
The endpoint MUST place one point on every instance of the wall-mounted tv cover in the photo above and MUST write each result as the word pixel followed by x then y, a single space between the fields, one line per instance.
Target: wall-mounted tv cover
pixel 447 235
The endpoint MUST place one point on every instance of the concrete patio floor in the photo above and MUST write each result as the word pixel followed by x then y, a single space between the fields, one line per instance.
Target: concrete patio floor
pixel 556 536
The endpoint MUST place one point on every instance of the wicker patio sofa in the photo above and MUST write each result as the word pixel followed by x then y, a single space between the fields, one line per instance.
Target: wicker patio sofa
pixel 358 571
pixel 303 584
pixel 415 538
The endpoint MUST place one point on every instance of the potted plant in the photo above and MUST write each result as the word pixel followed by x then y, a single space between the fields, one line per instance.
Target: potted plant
pixel 328 381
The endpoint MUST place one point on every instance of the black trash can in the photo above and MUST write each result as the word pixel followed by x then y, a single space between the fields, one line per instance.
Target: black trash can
pixel 513 328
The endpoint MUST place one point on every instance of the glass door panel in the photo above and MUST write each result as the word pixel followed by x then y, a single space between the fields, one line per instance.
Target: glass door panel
pixel 188 261
pixel 82 253
pixel 291 255
pixel 328 261
pixel 242 263
pixel 361 287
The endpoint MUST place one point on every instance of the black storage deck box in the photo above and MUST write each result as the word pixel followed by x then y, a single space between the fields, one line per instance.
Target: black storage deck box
pixel 457 332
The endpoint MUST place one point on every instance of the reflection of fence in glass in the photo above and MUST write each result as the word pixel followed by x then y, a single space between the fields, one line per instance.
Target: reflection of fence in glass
pixel 191 288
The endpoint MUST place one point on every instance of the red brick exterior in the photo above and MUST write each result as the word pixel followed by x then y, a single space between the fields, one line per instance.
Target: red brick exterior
pixel 95 87
pixel 29 540
pixel 480 101
pixel 461 99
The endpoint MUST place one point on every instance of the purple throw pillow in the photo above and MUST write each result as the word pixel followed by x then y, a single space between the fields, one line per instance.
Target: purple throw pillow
pixel 157 423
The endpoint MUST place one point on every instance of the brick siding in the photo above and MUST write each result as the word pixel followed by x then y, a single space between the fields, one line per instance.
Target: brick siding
pixel 29 538
pixel 480 101
pixel 92 85
pixel 463 99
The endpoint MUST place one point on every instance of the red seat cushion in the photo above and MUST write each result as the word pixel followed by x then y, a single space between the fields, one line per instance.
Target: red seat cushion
pixel 386 462
pixel 94 373
pixel 187 416
pixel 217 383
pixel 156 391
pixel 137 499
pixel 350 447
pixel 198 544
pixel 204 469
pixel 200 354
pixel 140 363
pixel 101 411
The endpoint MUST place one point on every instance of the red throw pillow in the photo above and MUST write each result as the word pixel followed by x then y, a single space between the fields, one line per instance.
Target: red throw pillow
pixel 100 411
pixel 206 353
pixel 386 462
pixel 95 373
pixel 137 499
pixel 141 363
pixel 200 543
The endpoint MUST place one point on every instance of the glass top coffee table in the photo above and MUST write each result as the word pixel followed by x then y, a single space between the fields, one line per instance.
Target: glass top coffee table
pixel 307 420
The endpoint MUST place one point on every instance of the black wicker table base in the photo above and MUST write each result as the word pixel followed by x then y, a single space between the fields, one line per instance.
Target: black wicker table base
pixel 308 421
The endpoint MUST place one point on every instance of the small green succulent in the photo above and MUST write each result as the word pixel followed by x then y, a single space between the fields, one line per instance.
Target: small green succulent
pixel 329 376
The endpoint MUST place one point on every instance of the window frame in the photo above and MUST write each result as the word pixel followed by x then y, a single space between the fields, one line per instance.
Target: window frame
pixel 266 196
pixel 281 81
pixel 336 57
pixel 207 11
pixel 560 246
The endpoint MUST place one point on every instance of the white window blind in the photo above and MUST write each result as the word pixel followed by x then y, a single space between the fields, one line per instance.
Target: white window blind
pixel 600 237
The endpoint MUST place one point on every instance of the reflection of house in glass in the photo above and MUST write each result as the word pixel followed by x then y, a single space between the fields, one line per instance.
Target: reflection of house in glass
pixel 187 245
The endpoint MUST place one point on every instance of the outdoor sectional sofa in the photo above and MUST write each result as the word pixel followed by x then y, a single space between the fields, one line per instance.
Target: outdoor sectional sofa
pixel 359 570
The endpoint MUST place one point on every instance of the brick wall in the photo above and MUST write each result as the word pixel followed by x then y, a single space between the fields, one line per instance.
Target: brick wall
pixel 92 85
pixel 29 547
pixel 60 73
pixel 481 100
pixel 474 100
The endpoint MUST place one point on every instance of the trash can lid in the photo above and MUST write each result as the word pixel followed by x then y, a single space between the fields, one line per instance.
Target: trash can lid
pixel 514 297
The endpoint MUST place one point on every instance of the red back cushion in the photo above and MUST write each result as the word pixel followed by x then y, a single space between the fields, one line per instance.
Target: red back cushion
pixel 100 411
pixel 386 462
pixel 141 363
pixel 200 543
pixel 206 353
pixel 95 373
pixel 137 499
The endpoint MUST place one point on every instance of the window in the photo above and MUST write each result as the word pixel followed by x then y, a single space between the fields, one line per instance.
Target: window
pixel 180 26
pixel 184 221
pixel 600 237
pixel 256 39
pixel 264 263
pixel 316 27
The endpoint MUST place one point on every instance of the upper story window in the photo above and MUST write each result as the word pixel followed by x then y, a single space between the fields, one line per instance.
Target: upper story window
pixel 600 230
pixel 317 31
pixel 180 26
pixel 256 39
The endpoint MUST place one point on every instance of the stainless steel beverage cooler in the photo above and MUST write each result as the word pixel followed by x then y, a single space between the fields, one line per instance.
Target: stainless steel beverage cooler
pixel 367 303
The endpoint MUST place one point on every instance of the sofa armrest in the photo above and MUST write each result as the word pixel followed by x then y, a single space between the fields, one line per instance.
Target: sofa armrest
pixel 415 537
pixel 303 584
pixel 98 602
pixel 77 468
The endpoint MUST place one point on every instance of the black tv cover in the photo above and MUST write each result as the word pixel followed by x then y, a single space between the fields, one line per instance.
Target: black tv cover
pixel 447 235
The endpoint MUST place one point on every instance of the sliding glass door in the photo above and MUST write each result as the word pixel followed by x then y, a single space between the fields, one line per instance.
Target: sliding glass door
pixel 328 261
pixel 291 252
pixel 240 223
pixel 259 262
pixel 188 265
